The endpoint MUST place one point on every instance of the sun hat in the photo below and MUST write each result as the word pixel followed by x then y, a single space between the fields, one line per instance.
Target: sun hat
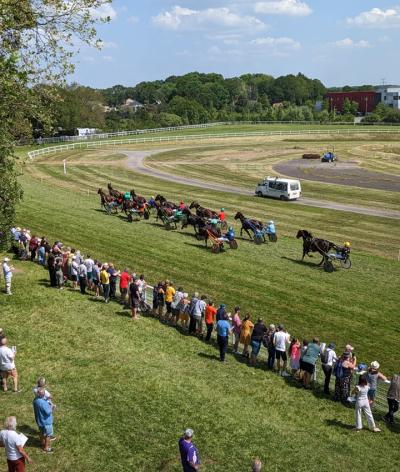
pixel 189 433
pixel 349 348
pixel 271 326
pixel 375 365
pixel 6 259
pixel 331 346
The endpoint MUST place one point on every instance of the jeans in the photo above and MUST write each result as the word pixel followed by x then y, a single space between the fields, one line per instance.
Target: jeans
pixel 271 358
pixel 192 324
pixel 42 255
pixel 328 373
pixel 106 292
pixel 210 327
pixel 113 289
pixel 223 346
pixel 53 278
pixel 393 407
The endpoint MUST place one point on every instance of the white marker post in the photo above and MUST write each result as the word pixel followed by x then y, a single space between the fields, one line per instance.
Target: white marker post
pixel 65 166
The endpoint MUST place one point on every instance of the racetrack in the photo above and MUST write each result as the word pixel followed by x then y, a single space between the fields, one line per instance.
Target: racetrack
pixel 136 162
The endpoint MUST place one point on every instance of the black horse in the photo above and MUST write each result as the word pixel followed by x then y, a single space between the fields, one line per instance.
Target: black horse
pixel 139 199
pixel 248 224
pixel 203 212
pixel 311 244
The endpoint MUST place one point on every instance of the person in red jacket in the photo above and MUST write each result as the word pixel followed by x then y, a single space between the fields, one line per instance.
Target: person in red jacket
pixel 221 215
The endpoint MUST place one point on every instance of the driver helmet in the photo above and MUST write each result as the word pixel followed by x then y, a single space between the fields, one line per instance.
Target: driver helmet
pixel 222 209
pixel 214 221
pixel 346 244
pixel 270 222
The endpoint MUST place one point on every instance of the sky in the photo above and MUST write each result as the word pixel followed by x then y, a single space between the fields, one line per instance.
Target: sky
pixel 339 42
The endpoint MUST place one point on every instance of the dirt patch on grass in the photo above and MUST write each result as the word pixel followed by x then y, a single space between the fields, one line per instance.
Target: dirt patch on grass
pixel 343 173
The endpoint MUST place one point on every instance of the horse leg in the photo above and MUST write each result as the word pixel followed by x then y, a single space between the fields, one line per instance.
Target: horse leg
pixel 241 231
pixel 248 233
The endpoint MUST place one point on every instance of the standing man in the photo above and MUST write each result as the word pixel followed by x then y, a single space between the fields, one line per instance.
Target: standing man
pixel 134 295
pixel 210 313
pixel 14 445
pixel 44 419
pixel 169 298
pixel 105 282
pixel 51 265
pixel 89 263
pixel 8 273
pixel 281 338
pixel 393 399
pixel 223 332
pixel 189 454
pixel 198 315
pixel 82 274
pixel 7 365
pixel 328 358
pixel 124 278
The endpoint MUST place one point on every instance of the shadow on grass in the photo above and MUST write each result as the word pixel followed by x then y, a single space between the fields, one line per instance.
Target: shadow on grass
pixel 199 246
pixel 302 263
pixel 213 357
pixel 339 424
pixel 31 434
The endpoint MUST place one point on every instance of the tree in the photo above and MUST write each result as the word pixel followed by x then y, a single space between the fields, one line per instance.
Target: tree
pixel 37 41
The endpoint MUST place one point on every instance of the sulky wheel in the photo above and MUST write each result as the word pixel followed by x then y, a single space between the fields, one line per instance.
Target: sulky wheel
pixel 168 226
pixel 130 217
pixel 215 248
pixel 146 214
pixel 224 225
pixel 233 244
pixel 346 263
pixel 258 239
pixel 273 238
pixel 328 266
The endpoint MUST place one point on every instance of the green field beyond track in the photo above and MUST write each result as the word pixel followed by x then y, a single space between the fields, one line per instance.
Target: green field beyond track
pixel 126 390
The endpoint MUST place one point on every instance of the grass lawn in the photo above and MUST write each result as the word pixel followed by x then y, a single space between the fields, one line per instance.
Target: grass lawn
pixel 126 390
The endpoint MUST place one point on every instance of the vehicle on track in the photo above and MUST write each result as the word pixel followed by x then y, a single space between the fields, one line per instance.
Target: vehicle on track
pixel 280 188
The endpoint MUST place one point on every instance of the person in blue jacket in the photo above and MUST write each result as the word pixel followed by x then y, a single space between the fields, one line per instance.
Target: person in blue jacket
pixel 271 227
pixel 44 419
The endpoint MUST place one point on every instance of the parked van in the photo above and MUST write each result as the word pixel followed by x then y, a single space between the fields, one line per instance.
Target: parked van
pixel 275 187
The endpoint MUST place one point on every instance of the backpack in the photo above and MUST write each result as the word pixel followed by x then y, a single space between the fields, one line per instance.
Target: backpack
pixel 338 370
pixel 325 357
pixel 267 340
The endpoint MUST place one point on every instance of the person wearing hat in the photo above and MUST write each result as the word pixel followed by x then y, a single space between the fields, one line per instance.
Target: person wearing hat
pixel 8 273
pixel 271 227
pixel 189 454
pixel 343 371
pixel 328 358
pixel 373 376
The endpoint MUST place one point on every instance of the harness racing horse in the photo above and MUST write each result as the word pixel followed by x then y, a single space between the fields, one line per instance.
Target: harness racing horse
pixel 106 201
pixel 139 199
pixel 248 224
pixel 311 244
pixel 161 201
pixel 113 192
pixel 193 220
pixel 203 212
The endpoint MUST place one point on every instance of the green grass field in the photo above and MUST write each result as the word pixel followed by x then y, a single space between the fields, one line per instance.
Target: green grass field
pixel 126 390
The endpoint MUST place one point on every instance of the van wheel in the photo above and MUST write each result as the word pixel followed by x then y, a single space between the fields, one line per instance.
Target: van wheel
pixel 282 198
pixel 259 194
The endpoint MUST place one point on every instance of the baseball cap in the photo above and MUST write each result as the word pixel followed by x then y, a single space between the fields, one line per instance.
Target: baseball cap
pixel 331 346
pixel 189 433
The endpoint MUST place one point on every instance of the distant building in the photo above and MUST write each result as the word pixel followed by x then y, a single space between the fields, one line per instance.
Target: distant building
pixel 132 105
pixel 389 95
pixel 367 100
pixel 86 131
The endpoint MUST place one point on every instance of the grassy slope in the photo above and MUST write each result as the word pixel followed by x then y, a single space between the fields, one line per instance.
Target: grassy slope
pixel 126 390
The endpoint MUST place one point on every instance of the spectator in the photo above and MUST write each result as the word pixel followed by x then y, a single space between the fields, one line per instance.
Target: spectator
pixel 223 332
pixel 198 315
pixel 169 297
pixel 89 263
pixel 245 334
pixel 8 273
pixel 257 336
pixel 328 359
pixel 74 272
pixel 183 308
pixel 362 405
pixel 142 287
pixel 14 445
pixel 393 399
pixel 113 273
pixel 82 274
pixel 58 265
pixel 134 296
pixel 294 355
pixel 175 304
pixel 155 299
pixel 44 419
pixel 309 359
pixel 269 344
pixel 105 282
pixel 96 278
pixel 160 300
pixel 2 335
pixel 124 278
pixel 7 365
pixel 33 246
pixel 41 383
pixel 42 251
pixel 189 454
pixel 51 266
pixel 221 312
pixel 256 465
pixel 236 327
pixel 343 371
pixel 281 338
pixel 373 375
pixel 210 313
pixel 192 306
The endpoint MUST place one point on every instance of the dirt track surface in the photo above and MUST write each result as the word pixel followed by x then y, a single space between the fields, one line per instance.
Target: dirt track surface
pixel 136 163
pixel 343 173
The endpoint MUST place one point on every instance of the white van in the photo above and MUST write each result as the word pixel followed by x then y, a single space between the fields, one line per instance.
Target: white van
pixel 275 187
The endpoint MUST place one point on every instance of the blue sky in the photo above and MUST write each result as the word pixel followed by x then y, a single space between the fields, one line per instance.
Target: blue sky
pixel 340 42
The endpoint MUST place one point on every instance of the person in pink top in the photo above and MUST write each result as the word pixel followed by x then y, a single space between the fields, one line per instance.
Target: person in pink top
pixel 236 328
pixel 294 354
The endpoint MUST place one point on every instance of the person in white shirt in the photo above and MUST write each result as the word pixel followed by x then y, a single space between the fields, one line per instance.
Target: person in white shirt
pixel 360 391
pixel 7 365
pixel 328 358
pixel 198 314
pixel 8 273
pixel 89 263
pixel 14 445
pixel 280 340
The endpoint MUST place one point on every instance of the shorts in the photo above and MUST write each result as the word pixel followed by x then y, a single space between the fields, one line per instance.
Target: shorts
pixel 46 430
pixel 6 373
pixel 134 303
pixel 307 367
pixel 281 355
pixel 74 278
pixel 371 394
pixel 90 275
pixel 96 282
pixel 175 312
pixel 255 347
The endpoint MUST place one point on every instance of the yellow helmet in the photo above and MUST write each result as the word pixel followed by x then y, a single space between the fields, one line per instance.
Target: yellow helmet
pixel 346 244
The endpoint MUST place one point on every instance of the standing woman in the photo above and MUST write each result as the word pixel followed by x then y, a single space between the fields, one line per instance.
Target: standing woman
pixel 362 405
pixel 245 334
pixel 160 300
pixel 343 372
pixel 236 328
pixel 373 375
pixel 294 354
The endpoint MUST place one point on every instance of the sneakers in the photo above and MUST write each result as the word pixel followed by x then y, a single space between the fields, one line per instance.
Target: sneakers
pixel 376 430
pixel 49 450
pixel 53 438
pixel 285 374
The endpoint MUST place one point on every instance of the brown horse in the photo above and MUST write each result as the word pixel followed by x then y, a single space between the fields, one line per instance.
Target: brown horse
pixel 203 212
pixel 311 244
pixel 113 192
pixel 139 199
pixel 248 224
pixel 106 201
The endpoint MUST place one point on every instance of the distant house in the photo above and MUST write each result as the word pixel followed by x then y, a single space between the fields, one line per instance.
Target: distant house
pixel 86 131
pixel 108 109
pixel 132 105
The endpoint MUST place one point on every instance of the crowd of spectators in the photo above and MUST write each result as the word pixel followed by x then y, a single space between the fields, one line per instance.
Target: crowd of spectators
pixel 195 315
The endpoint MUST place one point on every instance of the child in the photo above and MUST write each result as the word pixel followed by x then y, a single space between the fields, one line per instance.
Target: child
pixel 294 354
pixel 362 404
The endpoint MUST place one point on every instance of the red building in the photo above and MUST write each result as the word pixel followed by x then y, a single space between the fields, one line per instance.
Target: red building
pixel 367 100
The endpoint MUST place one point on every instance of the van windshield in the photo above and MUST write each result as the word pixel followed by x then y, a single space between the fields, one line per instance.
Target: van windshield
pixel 294 186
